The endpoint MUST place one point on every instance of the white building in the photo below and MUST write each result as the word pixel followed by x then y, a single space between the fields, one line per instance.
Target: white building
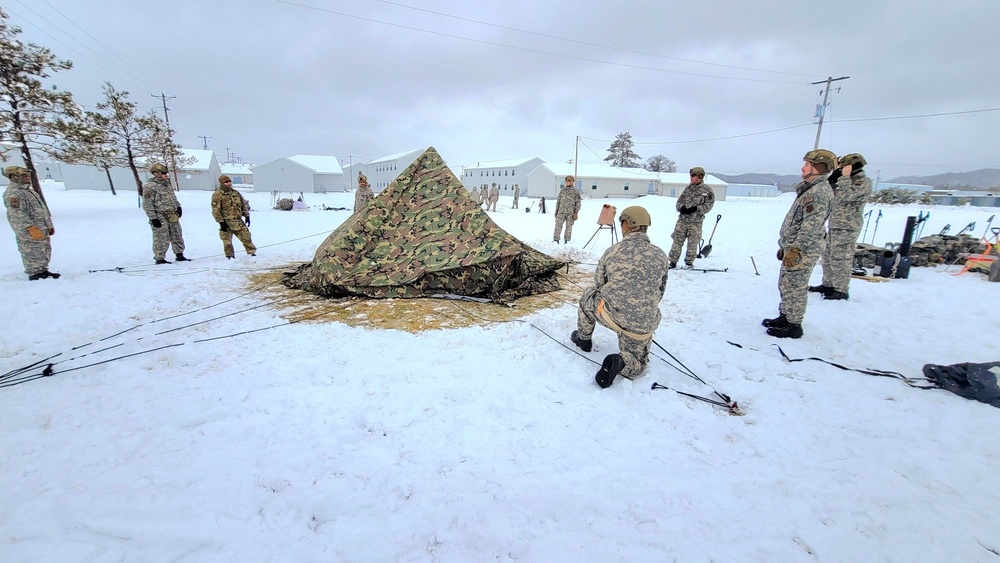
pixel 675 182
pixel 593 180
pixel 299 173
pixel 752 190
pixel 88 177
pixel 382 171
pixel 10 155
pixel 202 174
pixel 241 174
pixel 504 173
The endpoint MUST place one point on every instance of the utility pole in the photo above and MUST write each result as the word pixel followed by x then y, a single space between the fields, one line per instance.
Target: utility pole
pixel 166 116
pixel 204 141
pixel 227 154
pixel 821 110
pixel 576 157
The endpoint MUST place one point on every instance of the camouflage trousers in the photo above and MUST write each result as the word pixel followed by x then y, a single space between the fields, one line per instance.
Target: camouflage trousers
pixel 686 230
pixel 169 234
pixel 838 258
pixel 568 220
pixel 236 227
pixel 793 285
pixel 35 254
pixel 634 351
pixel 515 203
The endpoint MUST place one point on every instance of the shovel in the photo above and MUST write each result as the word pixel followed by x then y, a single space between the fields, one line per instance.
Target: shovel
pixel 708 247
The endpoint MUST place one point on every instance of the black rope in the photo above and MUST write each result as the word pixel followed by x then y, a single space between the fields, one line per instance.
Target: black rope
pixel 910 381
pixel 727 401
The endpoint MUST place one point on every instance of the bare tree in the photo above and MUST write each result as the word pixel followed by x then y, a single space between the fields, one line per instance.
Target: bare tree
pixel 620 152
pixel 660 163
pixel 32 115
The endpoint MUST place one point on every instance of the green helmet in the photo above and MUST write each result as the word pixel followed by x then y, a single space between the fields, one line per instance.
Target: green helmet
pixel 854 160
pixel 823 156
pixel 162 168
pixel 18 171
pixel 635 216
pixel 698 171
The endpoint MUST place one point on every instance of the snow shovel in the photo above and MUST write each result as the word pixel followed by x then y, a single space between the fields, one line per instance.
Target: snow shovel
pixel 703 252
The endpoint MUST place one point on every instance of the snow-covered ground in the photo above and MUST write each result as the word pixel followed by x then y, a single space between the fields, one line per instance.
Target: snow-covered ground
pixel 324 442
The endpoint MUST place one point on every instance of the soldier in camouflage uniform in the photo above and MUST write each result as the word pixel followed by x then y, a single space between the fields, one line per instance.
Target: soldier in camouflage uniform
pixel 494 197
pixel 164 212
pixel 31 222
pixel 567 209
pixel 230 209
pixel 801 242
pixel 628 286
pixel 364 193
pixel 851 188
pixel 481 195
pixel 517 195
pixel 696 200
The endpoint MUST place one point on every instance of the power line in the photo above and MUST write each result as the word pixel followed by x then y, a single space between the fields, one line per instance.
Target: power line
pixel 536 51
pixel 139 72
pixel 113 73
pixel 588 43
pixel 913 116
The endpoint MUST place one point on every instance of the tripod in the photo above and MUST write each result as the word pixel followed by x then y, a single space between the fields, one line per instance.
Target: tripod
pixel 614 233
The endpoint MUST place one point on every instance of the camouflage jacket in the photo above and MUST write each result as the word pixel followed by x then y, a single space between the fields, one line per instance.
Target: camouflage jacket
pixel 849 198
pixel 494 193
pixel 228 203
pixel 631 278
pixel 568 203
pixel 805 224
pixel 158 199
pixel 25 208
pixel 700 196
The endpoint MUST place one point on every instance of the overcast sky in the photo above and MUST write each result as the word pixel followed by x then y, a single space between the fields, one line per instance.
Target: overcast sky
pixel 362 79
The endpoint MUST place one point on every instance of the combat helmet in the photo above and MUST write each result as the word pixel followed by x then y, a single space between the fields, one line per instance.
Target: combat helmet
pixel 158 167
pixel 15 171
pixel 570 178
pixel 854 160
pixel 821 156
pixel 635 216
pixel 698 171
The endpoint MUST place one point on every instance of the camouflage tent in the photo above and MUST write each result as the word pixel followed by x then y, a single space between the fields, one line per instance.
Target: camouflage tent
pixel 423 235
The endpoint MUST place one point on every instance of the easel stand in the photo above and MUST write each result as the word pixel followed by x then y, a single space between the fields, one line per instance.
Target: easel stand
pixel 612 228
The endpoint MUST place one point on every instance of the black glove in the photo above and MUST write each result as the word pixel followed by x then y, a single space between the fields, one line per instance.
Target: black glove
pixel 248 220
pixel 155 223
pixel 832 179
pixel 685 210
pixel 781 254
pixel 179 212
pixel 223 227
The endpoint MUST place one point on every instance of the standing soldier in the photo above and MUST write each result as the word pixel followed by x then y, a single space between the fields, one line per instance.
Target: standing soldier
pixel 851 188
pixel 164 212
pixel 567 209
pixel 481 195
pixel 230 209
pixel 696 200
pixel 364 193
pixel 31 222
pixel 801 242
pixel 628 286
pixel 491 204
pixel 517 194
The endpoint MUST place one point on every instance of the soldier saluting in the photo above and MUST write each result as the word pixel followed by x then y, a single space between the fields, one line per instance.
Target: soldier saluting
pixel 31 222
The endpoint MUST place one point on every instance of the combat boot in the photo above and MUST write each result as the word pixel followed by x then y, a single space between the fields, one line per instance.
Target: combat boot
pixel 179 257
pixel 38 276
pixel 780 321
pixel 162 261
pixel 788 331
pixel 584 344
pixel 612 366
pixel 673 265
pixel 836 295
pixel 824 289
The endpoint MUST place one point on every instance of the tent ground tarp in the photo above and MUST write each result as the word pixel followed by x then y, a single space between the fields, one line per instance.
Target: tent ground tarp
pixel 423 235
pixel 980 382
